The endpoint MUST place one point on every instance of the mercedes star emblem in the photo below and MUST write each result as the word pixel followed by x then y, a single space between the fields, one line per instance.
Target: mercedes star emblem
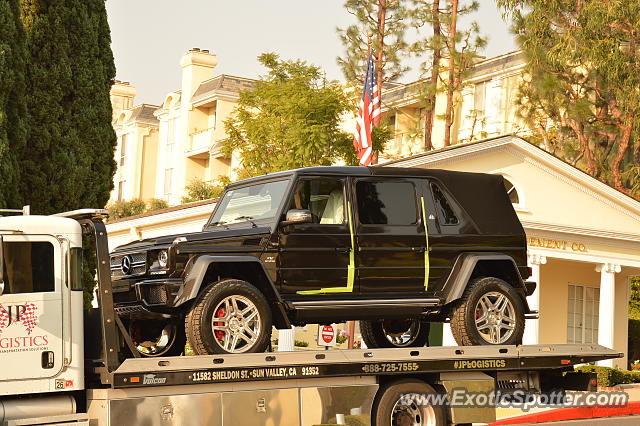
pixel 126 265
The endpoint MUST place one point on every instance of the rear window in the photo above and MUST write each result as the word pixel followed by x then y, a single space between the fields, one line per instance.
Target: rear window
pixel 386 203
pixel 28 267
pixel 445 212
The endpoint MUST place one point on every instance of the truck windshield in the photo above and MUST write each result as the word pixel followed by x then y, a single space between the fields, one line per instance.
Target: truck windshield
pixel 250 203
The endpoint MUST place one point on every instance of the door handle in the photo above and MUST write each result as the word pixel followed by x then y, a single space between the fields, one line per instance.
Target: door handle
pixel 343 249
pixel 418 249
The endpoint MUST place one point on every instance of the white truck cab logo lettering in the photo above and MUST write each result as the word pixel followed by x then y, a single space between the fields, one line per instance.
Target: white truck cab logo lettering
pixel 26 314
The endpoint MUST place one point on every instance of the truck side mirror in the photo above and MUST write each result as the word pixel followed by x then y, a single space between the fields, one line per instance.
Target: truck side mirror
pixel 1 265
pixel 298 216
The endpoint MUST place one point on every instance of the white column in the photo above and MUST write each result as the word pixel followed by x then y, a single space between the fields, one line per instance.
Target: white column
pixel 532 326
pixel 607 306
pixel 286 339
pixel 447 335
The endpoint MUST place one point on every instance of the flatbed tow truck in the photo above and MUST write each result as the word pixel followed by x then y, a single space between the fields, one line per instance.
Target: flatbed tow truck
pixel 63 366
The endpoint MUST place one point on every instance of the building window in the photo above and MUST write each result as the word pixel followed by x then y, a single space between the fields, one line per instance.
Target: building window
pixel 582 314
pixel 511 191
pixel 479 96
pixel 168 181
pixel 121 190
pixel 123 149
pixel 171 135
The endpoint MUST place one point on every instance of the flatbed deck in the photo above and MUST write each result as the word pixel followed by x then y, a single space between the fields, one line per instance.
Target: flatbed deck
pixel 336 363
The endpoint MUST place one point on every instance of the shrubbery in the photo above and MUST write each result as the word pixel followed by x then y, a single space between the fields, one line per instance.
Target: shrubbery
pixel 611 376
pixel 119 209
pixel 200 190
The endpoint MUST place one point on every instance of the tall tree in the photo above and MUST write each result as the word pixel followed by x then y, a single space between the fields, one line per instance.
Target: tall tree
pixel 427 13
pixel 461 50
pixel 12 101
pixel 68 161
pixel 380 27
pixel 290 119
pixel 582 87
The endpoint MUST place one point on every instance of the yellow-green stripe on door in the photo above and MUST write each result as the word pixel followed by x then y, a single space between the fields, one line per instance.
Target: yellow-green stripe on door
pixel 426 248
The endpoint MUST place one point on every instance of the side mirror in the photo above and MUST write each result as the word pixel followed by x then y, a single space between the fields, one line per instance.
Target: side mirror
pixel 1 265
pixel 298 216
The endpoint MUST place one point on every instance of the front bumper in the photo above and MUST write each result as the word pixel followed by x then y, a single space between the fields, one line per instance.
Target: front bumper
pixel 148 295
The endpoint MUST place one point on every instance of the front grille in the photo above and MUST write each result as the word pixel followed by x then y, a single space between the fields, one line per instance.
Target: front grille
pixel 137 263
pixel 156 295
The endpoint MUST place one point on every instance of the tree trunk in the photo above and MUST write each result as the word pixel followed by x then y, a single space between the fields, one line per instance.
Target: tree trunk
pixel 382 16
pixel 584 144
pixel 451 77
pixel 430 102
pixel 622 149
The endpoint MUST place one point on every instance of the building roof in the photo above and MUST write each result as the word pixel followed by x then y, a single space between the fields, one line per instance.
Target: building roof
pixel 222 84
pixel 143 113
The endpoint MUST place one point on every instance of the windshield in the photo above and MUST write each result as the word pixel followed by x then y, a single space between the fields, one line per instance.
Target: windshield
pixel 255 202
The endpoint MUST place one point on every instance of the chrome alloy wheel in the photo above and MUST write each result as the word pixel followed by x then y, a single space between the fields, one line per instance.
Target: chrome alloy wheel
pixel 413 415
pixel 495 317
pixel 401 332
pixel 236 324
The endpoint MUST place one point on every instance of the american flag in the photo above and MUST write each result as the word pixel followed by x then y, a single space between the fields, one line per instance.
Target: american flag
pixel 368 116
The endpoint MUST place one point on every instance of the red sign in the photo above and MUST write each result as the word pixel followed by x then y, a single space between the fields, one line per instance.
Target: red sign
pixel 327 333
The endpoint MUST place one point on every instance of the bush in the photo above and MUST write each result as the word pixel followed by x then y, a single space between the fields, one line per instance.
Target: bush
pixel 120 209
pixel 156 204
pixel 611 376
pixel 301 343
pixel 200 190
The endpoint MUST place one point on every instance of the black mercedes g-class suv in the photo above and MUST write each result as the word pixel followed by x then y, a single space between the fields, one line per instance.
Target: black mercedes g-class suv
pixel 396 248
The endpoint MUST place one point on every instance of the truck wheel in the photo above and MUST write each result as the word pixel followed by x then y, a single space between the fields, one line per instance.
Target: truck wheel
pixel 155 338
pixel 395 333
pixel 490 312
pixel 230 316
pixel 390 408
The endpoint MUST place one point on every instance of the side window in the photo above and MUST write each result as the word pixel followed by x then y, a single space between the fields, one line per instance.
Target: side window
pixel 324 198
pixel 28 267
pixel 386 203
pixel 446 216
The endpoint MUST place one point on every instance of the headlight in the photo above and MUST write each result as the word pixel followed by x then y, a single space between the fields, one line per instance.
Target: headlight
pixel 163 258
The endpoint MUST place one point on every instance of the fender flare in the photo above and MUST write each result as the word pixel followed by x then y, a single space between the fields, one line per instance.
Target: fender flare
pixel 196 270
pixel 463 268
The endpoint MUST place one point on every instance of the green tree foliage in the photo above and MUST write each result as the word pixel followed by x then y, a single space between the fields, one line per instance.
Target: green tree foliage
pixel 68 160
pixel 290 119
pixel 200 190
pixel 156 204
pixel 12 101
pixel 582 94
pixel 384 20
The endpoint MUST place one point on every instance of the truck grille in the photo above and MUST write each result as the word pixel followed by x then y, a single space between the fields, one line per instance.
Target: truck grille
pixel 134 264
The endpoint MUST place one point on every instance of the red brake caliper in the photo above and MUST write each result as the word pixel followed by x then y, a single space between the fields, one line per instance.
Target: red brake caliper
pixel 220 313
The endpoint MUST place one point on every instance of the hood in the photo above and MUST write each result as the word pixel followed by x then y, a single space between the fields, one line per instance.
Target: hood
pixel 209 235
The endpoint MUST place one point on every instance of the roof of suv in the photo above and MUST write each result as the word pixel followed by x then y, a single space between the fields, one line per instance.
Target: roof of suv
pixel 360 171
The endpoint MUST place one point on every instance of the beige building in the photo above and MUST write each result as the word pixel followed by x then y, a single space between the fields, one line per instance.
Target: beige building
pixel 484 108
pixel 179 141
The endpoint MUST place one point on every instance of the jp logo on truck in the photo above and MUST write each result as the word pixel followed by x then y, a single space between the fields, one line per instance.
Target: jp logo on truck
pixel 26 314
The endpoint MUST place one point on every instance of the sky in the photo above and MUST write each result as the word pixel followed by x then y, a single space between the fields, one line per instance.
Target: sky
pixel 150 36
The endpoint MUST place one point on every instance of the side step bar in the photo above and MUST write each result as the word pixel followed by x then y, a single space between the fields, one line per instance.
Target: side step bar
pixel 370 303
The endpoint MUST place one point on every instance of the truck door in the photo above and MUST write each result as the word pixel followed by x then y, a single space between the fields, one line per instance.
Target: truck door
pixel 31 307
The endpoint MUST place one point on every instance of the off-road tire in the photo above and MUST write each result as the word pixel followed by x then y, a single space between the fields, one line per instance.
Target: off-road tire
pixel 463 326
pixel 198 322
pixel 389 395
pixel 374 336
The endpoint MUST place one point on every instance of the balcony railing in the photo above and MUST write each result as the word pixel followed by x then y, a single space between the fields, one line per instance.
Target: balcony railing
pixel 201 140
